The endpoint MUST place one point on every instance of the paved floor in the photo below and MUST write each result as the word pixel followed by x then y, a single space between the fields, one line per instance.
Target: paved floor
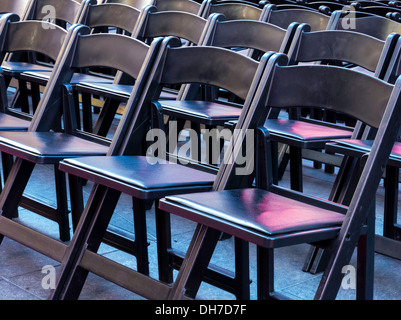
pixel 23 273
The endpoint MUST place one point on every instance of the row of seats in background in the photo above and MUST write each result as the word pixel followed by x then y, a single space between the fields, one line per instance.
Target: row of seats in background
pixel 42 137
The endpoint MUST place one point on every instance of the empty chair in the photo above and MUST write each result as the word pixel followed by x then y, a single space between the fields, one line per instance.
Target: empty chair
pixel 273 217
pixel 145 181
pixel 151 24
pixel 44 142
pixel 248 34
pixel 331 47
pixel 66 12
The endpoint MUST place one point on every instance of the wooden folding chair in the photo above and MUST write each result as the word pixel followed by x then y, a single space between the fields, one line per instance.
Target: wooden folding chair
pixel 272 217
pixel 151 24
pixel 63 13
pixel 104 16
pixel 213 111
pixel 205 65
pixel 39 145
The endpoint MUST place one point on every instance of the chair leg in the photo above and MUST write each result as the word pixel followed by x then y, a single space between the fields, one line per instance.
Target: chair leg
pixel 163 234
pixel 76 199
pixel 195 263
pixel 242 279
pixel 265 273
pixel 365 258
pixel 88 236
pixel 62 206
pixel 390 202
pixel 296 168
pixel 141 242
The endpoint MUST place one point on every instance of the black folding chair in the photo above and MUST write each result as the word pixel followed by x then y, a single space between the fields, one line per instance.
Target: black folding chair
pixel 233 10
pixel 63 13
pixel 151 24
pixel 102 16
pixel 205 65
pixel 215 111
pixel 273 217
pixel 189 6
pixel 40 145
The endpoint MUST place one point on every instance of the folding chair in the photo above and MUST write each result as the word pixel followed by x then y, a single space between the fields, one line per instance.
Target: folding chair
pixel 272 217
pixel 109 15
pixel 39 145
pixel 331 47
pixel 206 65
pixel 214 112
pixel 65 12
pixel 151 24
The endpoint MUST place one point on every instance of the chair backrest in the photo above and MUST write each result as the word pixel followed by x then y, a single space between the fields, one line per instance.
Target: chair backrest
pixel 233 10
pixel 114 15
pixel 373 25
pixel 153 23
pixel 30 36
pixel 334 46
pixel 84 50
pixel 251 34
pixel 67 11
pixel 210 66
pixel 18 7
pixel 139 4
pixel 245 34
pixel 283 18
pixel 179 5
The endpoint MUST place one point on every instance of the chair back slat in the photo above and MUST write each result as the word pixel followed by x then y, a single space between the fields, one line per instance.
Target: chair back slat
pixel 112 15
pixel 18 7
pixel 35 36
pixel 119 54
pixel 283 18
pixel 365 99
pixel 139 4
pixel 353 47
pixel 189 6
pixel 172 23
pixel 66 10
pixel 373 25
pixel 234 11
pixel 213 71
pixel 247 34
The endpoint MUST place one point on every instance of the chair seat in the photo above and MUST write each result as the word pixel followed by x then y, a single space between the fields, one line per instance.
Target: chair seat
pixel 10 123
pixel 137 175
pixel 355 147
pixel 18 67
pixel 303 132
pixel 47 147
pixel 257 210
pixel 205 112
